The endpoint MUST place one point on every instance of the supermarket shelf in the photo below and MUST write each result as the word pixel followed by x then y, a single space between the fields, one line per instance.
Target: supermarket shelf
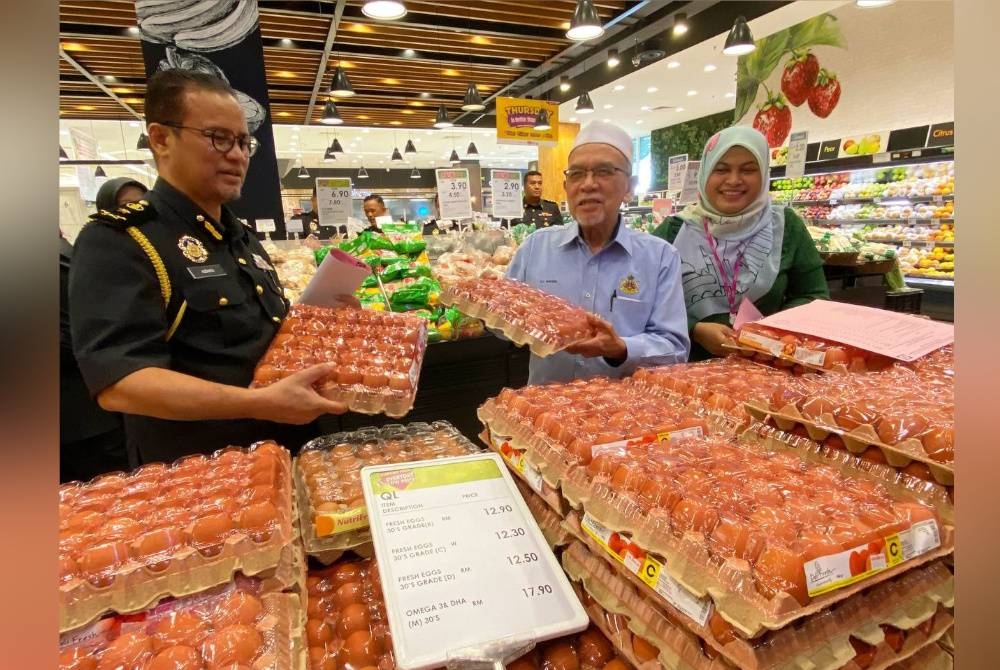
pixel 874 199
pixel 926 282
pixel 908 222
pixel 913 243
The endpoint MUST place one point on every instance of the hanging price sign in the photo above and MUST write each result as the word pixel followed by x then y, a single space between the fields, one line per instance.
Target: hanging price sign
pixel 454 195
pixel 506 186
pixel 333 198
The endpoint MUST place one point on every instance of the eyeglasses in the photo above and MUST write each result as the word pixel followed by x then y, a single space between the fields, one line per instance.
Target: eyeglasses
pixel 601 173
pixel 224 140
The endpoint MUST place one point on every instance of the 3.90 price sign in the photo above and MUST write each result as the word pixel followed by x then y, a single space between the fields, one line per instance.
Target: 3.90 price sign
pixel 453 193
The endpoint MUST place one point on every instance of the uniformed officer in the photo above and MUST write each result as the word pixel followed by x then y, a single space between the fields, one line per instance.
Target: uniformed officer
pixel 173 300
pixel 541 213
pixel 312 226
pixel 374 207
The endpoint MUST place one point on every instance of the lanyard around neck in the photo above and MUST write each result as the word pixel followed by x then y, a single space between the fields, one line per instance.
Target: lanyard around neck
pixel 729 285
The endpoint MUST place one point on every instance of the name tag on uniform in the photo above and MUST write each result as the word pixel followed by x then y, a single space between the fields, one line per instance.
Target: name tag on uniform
pixel 204 271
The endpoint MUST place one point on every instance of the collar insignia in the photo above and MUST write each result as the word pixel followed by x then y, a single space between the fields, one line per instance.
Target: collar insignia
pixel 192 248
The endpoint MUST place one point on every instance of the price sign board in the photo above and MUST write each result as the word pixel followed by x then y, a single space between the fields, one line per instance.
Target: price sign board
pixel 333 197
pixel 689 190
pixel 797 144
pixel 675 172
pixel 507 200
pixel 454 195
pixel 265 225
pixel 465 570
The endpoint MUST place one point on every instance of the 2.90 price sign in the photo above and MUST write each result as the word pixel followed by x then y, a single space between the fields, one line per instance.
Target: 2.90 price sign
pixel 506 187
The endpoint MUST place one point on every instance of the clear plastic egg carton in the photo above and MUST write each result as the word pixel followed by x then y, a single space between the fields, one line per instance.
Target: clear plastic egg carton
pixel 879 627
pixel 236 625
pixel 786 349
pixel 378 356
pixel 332 514
pixel 548 520
pixel 898 416
pixel 525 315
pixel 129 539
pixel 764 534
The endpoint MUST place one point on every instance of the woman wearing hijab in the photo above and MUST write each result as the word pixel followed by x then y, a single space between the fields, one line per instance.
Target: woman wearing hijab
pixel 115 193
pixel 736 245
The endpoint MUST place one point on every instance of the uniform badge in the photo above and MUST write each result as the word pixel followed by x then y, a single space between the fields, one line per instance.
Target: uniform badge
pixel 629 285
pixel 192 248
pixel 259 261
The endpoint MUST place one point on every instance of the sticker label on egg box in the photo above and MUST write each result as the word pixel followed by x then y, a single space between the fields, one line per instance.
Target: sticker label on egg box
pixel 648 569
pixel 829 573
pixel 620 447
pixel 760 342
pixel 334 523
pixel 809 356
pixel 517 462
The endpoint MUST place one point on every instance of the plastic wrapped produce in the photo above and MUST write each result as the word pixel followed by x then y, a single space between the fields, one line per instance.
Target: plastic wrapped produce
pixel 526 315
pixel 328 476
pixel 127 539
pixel 378 355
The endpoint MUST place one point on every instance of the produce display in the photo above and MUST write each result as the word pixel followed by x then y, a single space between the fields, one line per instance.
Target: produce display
pixel 234 626
pixel 328 477
pixel 525 314
pixel 378 355
pixel 936 263
pixel 127 539
pixel 455 266
pixel 295 264
pixel 915 181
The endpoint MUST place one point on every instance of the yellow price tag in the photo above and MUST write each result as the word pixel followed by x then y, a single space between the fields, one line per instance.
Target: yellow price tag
pixel 649 573
pixel 893 551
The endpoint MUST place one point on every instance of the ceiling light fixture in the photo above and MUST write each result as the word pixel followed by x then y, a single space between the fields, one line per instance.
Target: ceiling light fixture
pixel 410 147
pixel 331 117
pixel 63 156
pixel 710 68
pixel 692 93
pixel 473 101
pixel 673 64
pixel 341 85
pixel 515 61
pixel 739 42
pixel 680 24
pixel 409 53
pixel 730 95
pixel 329 156
pixel 585 24
pixel 584 105
pixel 303 173
pixel 143 142
pixel 335 147
pixel 99 172
pixel 472 150
pixel 619 87
pixel 362 173
pixel 613 59
pixel 415 174
pixel 396 156
pixel 453 158
pixel 442 118
pixel 652 89
pixel 542 120
pixel 384 10
pixel 564 83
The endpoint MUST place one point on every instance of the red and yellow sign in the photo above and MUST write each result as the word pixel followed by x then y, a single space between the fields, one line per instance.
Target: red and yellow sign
pixel 516 121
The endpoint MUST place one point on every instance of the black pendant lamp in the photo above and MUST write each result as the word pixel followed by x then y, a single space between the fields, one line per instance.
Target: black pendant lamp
pixel 415 174
pixel 303 172
pixel 143 143
pixel 362 173
pixel 542 120
pixel 341 85
pixel 410 148
pixel 453 158
pixel 328 155
pixel 585 24
pixel 584 105
pixel 99 172
pixel 739 42
pixel 396 156
pixel 442 118
pixel 473 101
pixel 63 156
pixel 472 150
pixel 335 147
pixel 331 117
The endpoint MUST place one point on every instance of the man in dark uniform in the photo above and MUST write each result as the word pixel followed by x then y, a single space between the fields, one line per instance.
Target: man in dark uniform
pixel 374 207
pixel 173 300
pixel 541 213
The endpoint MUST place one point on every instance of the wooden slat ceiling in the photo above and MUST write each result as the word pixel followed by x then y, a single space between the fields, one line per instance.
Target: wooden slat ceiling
pixel 453 43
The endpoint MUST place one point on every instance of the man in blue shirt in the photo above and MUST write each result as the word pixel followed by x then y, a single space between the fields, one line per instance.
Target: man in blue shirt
pixel 629 280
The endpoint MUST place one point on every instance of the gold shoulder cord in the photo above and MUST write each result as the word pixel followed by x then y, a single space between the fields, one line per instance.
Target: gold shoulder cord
pixel 161 275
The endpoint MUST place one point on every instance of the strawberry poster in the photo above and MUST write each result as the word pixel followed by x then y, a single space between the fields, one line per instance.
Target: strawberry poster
pixel 785 82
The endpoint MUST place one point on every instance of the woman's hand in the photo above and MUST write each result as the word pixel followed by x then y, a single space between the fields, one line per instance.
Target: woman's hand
pixel 712 336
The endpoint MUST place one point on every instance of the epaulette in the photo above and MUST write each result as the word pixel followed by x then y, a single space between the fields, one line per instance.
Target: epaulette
pixel 131 214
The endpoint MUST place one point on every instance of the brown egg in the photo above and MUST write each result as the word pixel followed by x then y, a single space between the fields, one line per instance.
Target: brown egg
pixel 560 655
pixel 98 563
pixel 209 531
pixel 84 521
pixel 319 632
pixel 617 664
pixel 230 645
pixel 348 594
pixel 68 568
pixel 155 548
pixel 643 650
pixel 259 520
pixel 353 617
pixel 360 649
pixel 178 657
pixel 347 572
pixel 75 658
pixel 237 607
pixel 321 659
pixel 181 627
pixel 126 652
pixel 594 648
pixel 121 528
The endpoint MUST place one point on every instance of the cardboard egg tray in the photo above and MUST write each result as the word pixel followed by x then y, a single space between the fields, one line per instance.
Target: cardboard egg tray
pixel 540 344
pixel 281 626
pixel 857 440
pixel 678 648
pixel 136 586
pixel 327 535
pixel 524 471
pixel 931 657
pixel 688 569
pixel 548 521
pixel 820 641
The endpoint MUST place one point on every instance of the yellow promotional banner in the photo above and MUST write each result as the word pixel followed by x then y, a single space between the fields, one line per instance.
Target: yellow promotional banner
pixel 516 121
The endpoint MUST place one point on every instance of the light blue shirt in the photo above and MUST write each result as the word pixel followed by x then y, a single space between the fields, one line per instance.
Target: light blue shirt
pixel 634 282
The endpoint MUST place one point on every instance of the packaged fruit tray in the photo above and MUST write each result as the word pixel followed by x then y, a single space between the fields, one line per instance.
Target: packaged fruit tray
pixel 880 626
pixel 904 412
pixel 720 384
pixel 127 540
pixel 347 627
pixel 645 635
pixel 525 315
pixel 378 356
pixel 236 625
pixel 789 349
pixel 766 533
pixel 332 513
